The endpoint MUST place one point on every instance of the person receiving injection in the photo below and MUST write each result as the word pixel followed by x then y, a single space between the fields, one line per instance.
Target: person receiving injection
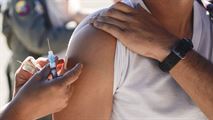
pixel 36 95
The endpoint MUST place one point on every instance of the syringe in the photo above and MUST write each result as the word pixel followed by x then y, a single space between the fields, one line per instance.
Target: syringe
pixel 52 61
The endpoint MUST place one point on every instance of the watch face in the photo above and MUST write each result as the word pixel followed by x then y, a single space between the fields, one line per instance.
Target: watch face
pixel 178 52
pixel 182 47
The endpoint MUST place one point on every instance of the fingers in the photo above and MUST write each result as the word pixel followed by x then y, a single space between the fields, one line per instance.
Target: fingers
pixel 60 64
pixel 73 74
pixel 20 69
pixel 123 7
pixel 60 61
pixel 109 20
pixel 42 61
pixel 117 14
pixel 61 69
pixel 30 65
pixel 69 77
pixel 27 60
pixel 44 73
pixel 122 12
pixel 114 30
pixel 21 74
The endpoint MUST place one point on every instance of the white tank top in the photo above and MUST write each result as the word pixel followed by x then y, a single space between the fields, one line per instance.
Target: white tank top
pixel 143 92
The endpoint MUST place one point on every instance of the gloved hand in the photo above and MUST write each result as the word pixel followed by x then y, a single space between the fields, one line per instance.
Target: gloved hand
pixel 37 96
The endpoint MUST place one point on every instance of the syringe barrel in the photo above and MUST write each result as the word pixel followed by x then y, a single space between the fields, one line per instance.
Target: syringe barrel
pixel 52 61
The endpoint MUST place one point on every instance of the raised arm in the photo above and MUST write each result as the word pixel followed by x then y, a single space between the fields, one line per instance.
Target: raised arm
pixel 92 96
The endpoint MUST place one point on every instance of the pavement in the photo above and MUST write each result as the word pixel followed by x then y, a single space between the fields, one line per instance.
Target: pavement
pixel 5 53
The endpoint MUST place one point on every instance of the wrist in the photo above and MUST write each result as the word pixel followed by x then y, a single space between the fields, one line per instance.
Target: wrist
pixel 18 109
pixel 163 54
pixel 165 49
pixel 10 112
pixel 178 52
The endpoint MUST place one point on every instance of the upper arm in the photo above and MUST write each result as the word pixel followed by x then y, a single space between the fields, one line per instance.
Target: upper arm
pixel 92 95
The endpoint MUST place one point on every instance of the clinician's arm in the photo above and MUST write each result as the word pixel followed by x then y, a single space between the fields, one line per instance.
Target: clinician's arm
pixel 92 96
pixel 39 96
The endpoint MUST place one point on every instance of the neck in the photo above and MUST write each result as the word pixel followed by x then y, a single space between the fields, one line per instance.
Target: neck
pixel 175 15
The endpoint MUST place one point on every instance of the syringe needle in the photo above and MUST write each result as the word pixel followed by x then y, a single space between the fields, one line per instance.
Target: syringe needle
pixel 48 41
pixel 19 61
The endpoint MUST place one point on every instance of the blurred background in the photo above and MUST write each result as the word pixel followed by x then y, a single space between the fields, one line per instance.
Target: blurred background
pixel 85 6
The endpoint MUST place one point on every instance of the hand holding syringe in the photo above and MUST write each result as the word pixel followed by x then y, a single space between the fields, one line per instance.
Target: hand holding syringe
pixel 32 83
pixel 32 67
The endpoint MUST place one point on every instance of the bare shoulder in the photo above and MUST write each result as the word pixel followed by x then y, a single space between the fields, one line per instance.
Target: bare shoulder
pixel 92 96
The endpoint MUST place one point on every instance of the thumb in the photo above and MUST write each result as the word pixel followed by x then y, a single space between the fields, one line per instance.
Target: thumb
pixel 44 73
pixel 73 74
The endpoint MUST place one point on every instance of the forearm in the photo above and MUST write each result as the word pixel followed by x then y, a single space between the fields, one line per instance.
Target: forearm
pixel 195 75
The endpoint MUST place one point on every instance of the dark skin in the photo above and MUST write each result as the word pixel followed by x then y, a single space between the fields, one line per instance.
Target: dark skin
pixel 36 96
pixel 194 73
pixel 95 49
pixel 178 22
pixel 92 95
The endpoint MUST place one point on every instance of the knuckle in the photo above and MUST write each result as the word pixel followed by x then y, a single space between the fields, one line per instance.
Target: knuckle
pixel 98 24
pixel 110 11
pixel 117 5
pixel 126 31
pixel 102 19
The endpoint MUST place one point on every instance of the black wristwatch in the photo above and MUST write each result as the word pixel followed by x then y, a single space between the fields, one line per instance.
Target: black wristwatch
pixel 178 52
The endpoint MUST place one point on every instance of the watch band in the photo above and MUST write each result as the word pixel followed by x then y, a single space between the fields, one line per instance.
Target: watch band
pixel 170 61
pixel 178 52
